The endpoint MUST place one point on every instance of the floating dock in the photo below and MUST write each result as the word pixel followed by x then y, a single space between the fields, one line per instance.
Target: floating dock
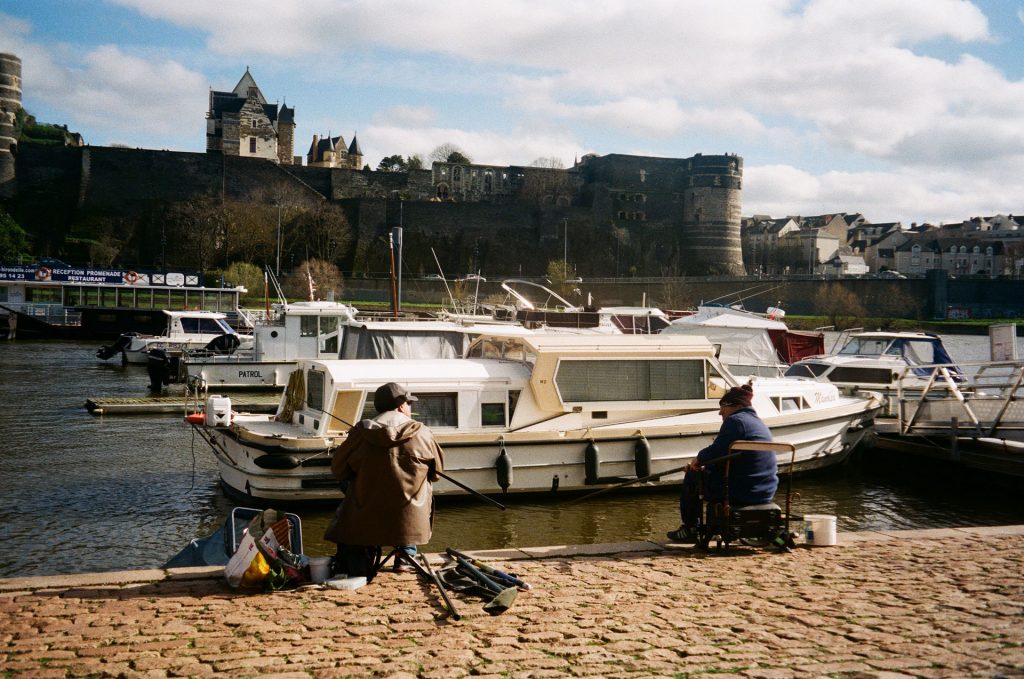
pixel 177 405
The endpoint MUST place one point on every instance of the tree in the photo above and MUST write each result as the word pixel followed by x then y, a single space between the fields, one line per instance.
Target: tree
pixel 314 279
pixel 414 162
pixel 548 162
pixel 13 240
pixel 395 163
pixel 248 275
pixel 325 232
pixel 841 306
pixel 196 227
pixel 449 153
pixel 560 274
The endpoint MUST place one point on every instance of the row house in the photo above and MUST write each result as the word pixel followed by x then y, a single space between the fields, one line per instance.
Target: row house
pixel 957 256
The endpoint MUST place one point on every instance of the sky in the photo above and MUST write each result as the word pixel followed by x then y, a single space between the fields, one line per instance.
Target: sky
pixel 903 110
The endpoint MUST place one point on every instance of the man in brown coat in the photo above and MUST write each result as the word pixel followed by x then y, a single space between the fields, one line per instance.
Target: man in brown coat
pixel 389 463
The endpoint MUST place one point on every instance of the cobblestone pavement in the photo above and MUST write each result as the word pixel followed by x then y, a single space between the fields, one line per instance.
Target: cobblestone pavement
pixel 939 603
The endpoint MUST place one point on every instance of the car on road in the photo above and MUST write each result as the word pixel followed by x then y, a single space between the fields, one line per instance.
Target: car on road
pixel 433 277
pixel 889 273
pixel 472 277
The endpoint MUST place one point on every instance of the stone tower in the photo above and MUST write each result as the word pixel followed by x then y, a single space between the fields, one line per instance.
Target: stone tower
pixel 10 104
pixel 711 214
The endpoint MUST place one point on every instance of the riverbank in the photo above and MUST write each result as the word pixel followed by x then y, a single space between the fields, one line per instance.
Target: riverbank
pixel 925 603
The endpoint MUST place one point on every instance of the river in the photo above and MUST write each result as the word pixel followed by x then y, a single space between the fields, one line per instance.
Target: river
pixel 82 493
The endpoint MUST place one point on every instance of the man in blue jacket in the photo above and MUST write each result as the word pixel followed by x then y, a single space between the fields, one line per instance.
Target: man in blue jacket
pixel 753 475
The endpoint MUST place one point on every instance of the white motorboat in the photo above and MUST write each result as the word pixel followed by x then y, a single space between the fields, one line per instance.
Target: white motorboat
pixel 185 330
pixel 297 330
pixel 886 362
pixel 750 343
pixel 535 413
pixel 326 330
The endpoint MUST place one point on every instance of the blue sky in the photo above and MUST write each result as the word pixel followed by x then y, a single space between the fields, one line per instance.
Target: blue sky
pixel 904 110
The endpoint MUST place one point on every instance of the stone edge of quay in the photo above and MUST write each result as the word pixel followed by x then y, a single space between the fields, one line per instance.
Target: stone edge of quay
pixel 121 578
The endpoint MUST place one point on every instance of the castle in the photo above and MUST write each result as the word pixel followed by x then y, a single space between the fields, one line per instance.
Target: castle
pixel 242 123
pixel 668 216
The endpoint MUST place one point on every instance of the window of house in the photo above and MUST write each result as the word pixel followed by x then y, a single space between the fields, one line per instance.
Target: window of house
pixel 457 174
pixel 253 123
pixel 252 144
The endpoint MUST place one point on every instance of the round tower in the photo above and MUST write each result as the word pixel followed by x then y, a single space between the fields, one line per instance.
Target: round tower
pixel 10 104
pixel 711 215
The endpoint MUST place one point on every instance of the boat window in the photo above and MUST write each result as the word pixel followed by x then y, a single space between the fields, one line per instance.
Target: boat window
pixel 864 346
pixel 513 401
pixel 787 404
pixel 806 369
pixel 207 326
pixel 625 380
pixel 307 326
pixel 919 352
pixel 315 389
pixel 361 342
pixel 861 375
pixel 329 334
pixel 492 414
pixel 436 410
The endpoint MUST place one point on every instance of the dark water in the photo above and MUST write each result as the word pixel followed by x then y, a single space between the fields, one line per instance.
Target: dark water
pixel 82 493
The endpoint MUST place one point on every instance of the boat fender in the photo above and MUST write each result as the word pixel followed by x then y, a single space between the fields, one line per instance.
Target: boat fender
pixel 277 462
pixel 592 464
pixel 554 483
pixel 642 457
pixel 503 468
pixel 196 418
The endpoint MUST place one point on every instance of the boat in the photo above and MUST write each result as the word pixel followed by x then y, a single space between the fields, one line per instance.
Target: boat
pixel 185 330
pixel 750 343
pixel 52 300
pixel 292 330
pixel 534 305
pixel 327 330
pixel 526 414
pixel 887 362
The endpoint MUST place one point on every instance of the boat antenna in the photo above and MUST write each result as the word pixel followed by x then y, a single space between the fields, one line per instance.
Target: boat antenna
pixel 444 280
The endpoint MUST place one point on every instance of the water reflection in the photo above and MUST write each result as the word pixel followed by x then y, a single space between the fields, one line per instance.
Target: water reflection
pixel 84 493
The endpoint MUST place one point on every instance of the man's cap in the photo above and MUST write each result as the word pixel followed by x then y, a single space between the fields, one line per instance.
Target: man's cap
pixel 389 396
pixel 738 396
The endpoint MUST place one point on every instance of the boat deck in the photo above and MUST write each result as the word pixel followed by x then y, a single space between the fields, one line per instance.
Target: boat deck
pixel 176 405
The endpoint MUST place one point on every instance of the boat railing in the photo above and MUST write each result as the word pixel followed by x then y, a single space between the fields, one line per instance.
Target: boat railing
pixel 51 313
pixel 973 398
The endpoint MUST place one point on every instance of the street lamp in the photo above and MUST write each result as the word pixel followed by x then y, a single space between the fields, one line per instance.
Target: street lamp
pixel 278 268
pixel 565 247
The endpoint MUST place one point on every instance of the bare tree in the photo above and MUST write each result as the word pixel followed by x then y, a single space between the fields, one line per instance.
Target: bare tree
pixel 314 279
pixel 841 306
pixel 449 153
pixel 548 162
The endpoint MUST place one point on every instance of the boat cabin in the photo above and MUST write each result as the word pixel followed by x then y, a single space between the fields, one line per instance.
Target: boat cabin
pixel 519 382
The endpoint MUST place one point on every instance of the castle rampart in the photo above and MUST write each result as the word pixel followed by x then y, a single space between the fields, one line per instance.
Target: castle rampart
pixel 10 105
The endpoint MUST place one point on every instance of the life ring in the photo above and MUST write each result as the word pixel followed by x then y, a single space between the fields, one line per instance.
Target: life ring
pixel 43 273
pixel 131 278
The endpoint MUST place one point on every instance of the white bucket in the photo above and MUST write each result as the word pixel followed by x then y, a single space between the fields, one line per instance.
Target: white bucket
pixel 820 530
pixel 319 568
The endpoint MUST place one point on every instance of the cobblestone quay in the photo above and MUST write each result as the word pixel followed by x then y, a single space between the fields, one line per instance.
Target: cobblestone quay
pixel 933 603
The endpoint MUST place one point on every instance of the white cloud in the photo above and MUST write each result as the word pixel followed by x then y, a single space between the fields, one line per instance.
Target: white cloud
pixel 903 196
pixel 124 96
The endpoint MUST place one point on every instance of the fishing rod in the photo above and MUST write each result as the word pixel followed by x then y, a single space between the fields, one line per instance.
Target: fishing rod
pixel 444 476
pixel 654 476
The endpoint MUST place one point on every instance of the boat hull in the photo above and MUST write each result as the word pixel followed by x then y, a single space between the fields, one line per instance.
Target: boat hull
pixel 278 469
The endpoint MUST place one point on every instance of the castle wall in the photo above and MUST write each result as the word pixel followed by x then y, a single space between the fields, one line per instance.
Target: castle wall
pixel 711 215
pixel 10 104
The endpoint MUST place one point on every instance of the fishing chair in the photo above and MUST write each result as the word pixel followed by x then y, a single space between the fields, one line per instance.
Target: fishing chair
pixel 760 525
